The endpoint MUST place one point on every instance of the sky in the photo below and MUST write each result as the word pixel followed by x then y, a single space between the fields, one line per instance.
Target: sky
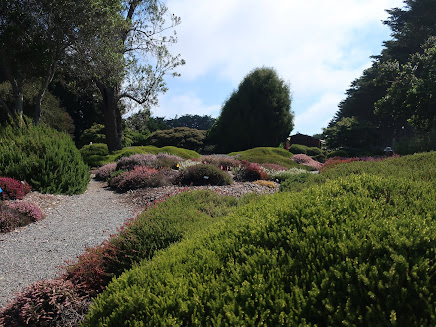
pixel 319 47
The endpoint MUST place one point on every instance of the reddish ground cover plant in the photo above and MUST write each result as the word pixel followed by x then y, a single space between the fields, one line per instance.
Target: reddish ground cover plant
pixel 46 303
pixel 13 189
pixel 334 161
pixel 250 171
pixel 18 214
pixel 304 159
pixel 139 177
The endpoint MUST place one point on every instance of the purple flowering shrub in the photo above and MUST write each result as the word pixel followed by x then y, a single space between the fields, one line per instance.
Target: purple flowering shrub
pixel 46 303
pixel 13 189
pixel 105 171
pixel 18 214
pixel 128 163
pixel 139 177
pixel 164 160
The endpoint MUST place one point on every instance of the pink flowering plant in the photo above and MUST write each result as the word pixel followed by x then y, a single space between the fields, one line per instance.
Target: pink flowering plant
pixel 18 214
pixel 249 171
pixel 305 160
pixel 105 171
pixel 13 189
pixel 139 177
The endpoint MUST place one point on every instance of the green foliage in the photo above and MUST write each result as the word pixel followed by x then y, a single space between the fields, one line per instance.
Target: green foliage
pixel 156 228
pixel 356 250
pixel 48 160
pixel 339 153
pixel 192 121
pixel 98 160
pixel 258 114
pixel 204 174
pixel 298 149
pixel 267 155
pixel 94 134
pixel 419 143
pixel 91 151
pixel 182 137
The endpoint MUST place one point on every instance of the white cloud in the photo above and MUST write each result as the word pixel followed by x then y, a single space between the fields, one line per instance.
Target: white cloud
pixel 318 46
pixel 187 104
pixel 317 115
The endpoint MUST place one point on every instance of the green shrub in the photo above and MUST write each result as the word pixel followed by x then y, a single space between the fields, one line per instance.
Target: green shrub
pixel 298 149
pixel 93 152
pixel 358 250
pixel 94 134
pixel 161 225
pixel 270 155
pixel 183 137
pixel 339 153
pixel 47 159
pixel 313 151
pixel 204 174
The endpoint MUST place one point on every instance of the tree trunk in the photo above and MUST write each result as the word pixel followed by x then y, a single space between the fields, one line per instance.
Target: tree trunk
pixel 112 117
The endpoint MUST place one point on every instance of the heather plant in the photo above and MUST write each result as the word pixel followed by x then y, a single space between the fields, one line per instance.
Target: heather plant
pixel 160 225
pixel 204 174
pixel 356 250
pixel 305 160
pixel 47 303
pixel 222 162
pixel 165 160
pixel 139 177
pixel 105 171
pixel 273 167
pixel 130 162
pixel 264 155
pixel 13 189
pixel 280 176
pixel 47 159
pixel 249 171
pixel 18 214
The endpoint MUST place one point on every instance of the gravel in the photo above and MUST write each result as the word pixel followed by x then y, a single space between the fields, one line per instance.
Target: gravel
pixel 37 251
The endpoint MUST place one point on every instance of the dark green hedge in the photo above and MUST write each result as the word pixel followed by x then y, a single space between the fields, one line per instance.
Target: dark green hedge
pixel 47 159
pixel 356 250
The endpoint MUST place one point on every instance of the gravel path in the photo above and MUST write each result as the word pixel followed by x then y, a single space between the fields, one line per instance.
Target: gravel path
pixel 73 223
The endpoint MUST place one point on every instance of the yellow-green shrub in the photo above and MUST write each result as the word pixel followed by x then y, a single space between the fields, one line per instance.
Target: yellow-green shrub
pixel 357 250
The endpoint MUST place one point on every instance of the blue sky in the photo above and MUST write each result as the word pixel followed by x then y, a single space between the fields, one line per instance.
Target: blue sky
pixel 318 46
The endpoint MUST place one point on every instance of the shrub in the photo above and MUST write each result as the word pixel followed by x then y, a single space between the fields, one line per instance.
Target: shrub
pixel 139 177
pixel 18 214
pixel 48 160
pixel 204 174
pixel 94 134
pixel 264 155
pixel 281 176
pixel 249 172
pixel 47 303
pixel 105 172
pixel 159 226
pixel 334 161
pixel 273 167
pixel 303 159
pixel 339 153
pixel 165 160
pixel 223 162
pixel 268 184
pixel 130 162
pixel 298 149
pixel 293 182
pixel 13 189
pixel 93 152
pixel 313 151
pixel 183 137
pixel 355 251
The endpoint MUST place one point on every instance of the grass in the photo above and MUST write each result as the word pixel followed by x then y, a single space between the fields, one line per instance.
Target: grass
pixel 262 155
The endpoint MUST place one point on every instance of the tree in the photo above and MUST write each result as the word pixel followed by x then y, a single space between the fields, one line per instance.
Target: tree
pixel 37 36
pixel 147 60
pixel 411 98
pixel 257 114
pixel 192 121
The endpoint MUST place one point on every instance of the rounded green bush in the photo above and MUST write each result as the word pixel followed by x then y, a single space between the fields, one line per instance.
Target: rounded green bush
pixel 354 251
pixel 298 149
pixel 45 158
pixel 204 174
pixel 313 151
pixel 339 153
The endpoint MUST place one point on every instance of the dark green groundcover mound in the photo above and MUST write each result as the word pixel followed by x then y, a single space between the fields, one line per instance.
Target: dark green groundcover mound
pixel 359 250
pixel 45 158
